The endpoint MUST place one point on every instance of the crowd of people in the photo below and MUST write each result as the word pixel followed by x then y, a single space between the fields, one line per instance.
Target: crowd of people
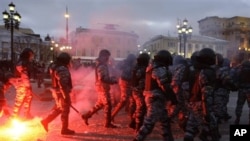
pixel 194 91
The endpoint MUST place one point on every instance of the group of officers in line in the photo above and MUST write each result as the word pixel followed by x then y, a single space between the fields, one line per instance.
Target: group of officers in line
pixel 197 90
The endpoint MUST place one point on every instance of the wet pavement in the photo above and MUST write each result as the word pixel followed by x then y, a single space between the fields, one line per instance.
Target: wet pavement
pixel 95 131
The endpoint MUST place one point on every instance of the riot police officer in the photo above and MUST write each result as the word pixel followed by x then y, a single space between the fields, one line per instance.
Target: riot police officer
pixel 103 82
pixel 157 92
pixel 62 86
pixel 201 99
pixel 125 80
pixel 23 85
pixel 137 104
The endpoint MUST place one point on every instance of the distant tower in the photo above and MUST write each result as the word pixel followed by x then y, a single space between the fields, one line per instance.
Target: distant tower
pixel 67 25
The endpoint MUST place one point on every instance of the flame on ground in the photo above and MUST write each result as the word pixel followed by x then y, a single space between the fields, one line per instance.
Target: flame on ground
pixel 18 130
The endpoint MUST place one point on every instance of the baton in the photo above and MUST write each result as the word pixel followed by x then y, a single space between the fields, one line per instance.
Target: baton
pixel 75 110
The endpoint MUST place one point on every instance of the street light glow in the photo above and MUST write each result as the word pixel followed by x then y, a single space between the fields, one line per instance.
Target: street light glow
pixel 66 15
pixel 11 7
pixel 184 31
pixel 11 20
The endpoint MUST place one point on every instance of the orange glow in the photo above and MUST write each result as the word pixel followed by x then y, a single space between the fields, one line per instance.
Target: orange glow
pixel 1 113
pixel 17 128
pixel 22 130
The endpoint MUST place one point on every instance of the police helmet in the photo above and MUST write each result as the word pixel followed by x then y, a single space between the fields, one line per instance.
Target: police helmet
pixel 206 56
pixel 143 59
pixel 163 57
pixel 178 59
pixel 63 58
pixel 104 53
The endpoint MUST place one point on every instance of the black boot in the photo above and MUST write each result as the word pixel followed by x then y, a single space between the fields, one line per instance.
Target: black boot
pixel 132 124
pixel 86 116
pixel 65 130
pixel 108 123
pixel 49 118
pixel 89 114
pixel 45 125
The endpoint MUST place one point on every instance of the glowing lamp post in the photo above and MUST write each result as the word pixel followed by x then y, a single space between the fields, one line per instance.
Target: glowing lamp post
pixel 67 25
pixel 11 20
pixel 184 32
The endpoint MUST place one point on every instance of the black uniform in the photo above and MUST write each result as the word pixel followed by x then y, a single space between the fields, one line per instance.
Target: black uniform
pixel 157 87
pixel 62 86
pixel 103 82
pixel 23 85
pixel 138 105
pixel 201 100
pixel 243 74
pixel 125 83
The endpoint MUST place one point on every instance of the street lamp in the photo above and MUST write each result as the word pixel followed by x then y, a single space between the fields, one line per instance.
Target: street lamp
pixel 67 46
pixel 67 26
pixel 184 31
pixel 11 20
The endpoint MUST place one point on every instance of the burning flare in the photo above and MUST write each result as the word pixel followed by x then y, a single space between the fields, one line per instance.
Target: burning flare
pixel 20 130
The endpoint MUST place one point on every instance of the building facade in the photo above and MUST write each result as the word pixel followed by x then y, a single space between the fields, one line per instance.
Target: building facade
pixel 23 38
pixel 236 30
pixel 194 43
pixel 86 43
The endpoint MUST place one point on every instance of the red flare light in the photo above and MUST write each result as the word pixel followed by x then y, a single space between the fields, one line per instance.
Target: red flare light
pixel 22 130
